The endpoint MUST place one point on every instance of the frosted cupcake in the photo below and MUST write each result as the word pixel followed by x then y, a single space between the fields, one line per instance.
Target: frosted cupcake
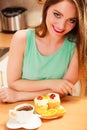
pixel 53 100
pixel 41 104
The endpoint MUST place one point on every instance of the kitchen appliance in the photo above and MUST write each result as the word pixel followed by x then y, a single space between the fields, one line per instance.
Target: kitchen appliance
pixel 13 19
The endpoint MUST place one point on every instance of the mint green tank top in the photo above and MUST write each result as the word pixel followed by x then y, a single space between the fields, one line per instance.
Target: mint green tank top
pixel 39 67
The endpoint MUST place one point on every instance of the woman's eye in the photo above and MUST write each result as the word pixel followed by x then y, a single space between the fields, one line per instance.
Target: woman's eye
pixel 72 21
pixel 57 15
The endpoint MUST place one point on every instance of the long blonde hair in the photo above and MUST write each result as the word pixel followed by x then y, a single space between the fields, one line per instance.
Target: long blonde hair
pixel 82 44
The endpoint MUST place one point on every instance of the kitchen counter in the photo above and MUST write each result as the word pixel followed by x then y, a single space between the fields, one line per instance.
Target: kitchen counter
pixel 5 40
pixel 74 119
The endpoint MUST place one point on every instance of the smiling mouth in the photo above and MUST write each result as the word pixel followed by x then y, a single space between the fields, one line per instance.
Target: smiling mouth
pixel 57 30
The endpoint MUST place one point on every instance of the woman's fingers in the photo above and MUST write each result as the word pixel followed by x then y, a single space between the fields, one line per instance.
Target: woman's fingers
pixel 69 87
pixel 63 87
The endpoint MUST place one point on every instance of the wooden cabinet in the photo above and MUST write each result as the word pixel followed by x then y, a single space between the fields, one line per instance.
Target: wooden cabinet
pixel 5 39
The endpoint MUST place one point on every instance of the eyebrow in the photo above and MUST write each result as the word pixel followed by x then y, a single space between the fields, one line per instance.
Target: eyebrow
pixel 62 14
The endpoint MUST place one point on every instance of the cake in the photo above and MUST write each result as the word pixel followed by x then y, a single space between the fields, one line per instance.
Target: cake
pixel 41 104
pixel 53 100
pixel 46 102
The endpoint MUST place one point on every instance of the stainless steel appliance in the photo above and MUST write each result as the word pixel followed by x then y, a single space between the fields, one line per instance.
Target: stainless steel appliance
pixel 13 19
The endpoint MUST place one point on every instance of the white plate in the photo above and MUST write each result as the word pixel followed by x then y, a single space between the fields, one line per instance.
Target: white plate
pixel 33 124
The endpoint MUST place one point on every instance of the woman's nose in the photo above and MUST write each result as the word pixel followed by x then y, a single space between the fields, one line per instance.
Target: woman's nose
pixel 62 25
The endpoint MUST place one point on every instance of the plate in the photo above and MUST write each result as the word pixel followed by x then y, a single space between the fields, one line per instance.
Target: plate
pixel 60 112
pixel 33 124
pixel 52 117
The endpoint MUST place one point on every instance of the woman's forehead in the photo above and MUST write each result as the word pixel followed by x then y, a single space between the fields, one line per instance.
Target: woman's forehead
pixel 65 7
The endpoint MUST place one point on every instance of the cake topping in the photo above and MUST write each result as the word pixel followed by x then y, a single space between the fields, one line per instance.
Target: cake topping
pixel 39 97
pixel 52 96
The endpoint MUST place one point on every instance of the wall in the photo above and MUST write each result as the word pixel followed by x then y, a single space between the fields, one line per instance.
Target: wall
pixel 34 9
pixel 29 4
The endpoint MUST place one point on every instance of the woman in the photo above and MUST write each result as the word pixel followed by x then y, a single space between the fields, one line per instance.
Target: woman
pixel 47 58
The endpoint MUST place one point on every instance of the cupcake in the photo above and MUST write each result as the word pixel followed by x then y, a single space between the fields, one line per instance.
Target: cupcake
pixel 53 100
pixel 41 104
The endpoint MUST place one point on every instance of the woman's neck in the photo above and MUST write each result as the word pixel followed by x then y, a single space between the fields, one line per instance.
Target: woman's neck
pixel 48 45
pixel 54 40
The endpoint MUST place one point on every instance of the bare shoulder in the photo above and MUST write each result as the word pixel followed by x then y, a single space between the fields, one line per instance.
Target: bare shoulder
pixel 75 53
pixel 19 33
pixel 19 36
pixel 19 39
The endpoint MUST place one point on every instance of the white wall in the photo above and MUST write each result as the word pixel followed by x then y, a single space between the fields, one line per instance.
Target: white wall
pixel 3 71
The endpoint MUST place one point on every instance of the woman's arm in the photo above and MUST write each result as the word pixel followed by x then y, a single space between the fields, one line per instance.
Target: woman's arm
pixel 10 95
pixel 73 70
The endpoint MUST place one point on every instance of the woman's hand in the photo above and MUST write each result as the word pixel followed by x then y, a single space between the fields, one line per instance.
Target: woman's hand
pixel 62 87
pixel 8 95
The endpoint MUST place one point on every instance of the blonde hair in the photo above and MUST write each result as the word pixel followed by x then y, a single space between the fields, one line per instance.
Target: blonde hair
pixel 82 44
pixel 83 54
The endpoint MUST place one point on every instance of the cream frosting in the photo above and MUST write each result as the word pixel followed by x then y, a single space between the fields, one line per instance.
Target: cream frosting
pixel 55 99
pixel 46 99
pixel 40 102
